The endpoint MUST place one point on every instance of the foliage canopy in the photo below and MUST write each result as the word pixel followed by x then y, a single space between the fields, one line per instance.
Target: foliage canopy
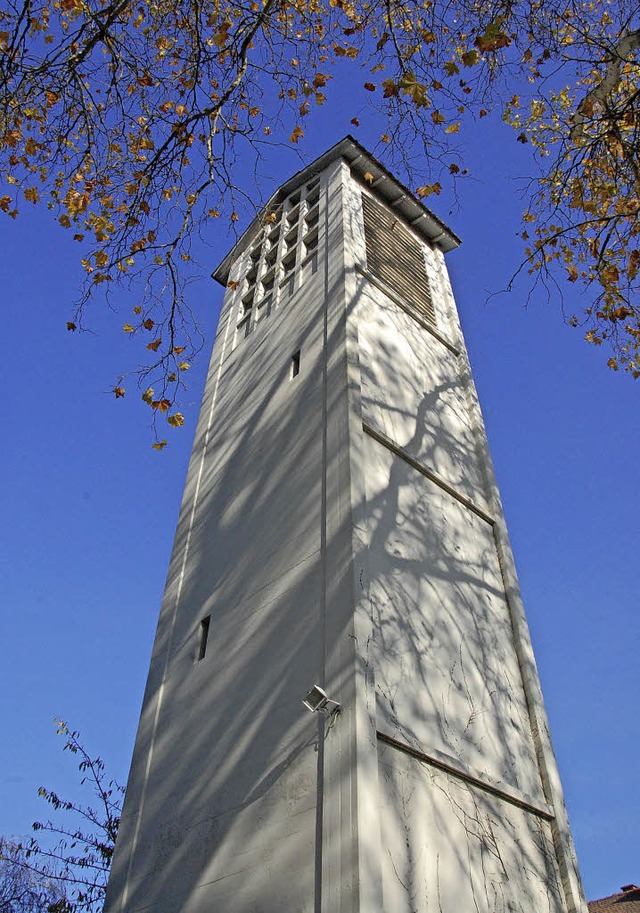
pixel 128 118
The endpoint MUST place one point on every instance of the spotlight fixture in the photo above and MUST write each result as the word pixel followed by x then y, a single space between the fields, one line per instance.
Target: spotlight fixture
pixel 318 701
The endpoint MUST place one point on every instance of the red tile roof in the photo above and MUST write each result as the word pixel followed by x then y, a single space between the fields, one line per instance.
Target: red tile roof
pixel 626 902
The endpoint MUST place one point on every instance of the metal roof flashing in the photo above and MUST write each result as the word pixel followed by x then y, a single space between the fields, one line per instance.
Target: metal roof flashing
pixel 381 182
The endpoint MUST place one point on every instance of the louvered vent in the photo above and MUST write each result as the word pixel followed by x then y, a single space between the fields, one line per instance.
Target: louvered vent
pixel 396 258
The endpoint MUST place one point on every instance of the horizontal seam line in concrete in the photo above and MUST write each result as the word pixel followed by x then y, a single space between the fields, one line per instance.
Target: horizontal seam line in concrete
pixel 507 795
pixel 425 471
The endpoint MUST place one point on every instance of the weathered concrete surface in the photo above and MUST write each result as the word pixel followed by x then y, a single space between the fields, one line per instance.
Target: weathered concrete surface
pixel 341 527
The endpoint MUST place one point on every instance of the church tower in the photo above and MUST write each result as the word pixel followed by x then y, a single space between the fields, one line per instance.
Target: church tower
pixel 341 539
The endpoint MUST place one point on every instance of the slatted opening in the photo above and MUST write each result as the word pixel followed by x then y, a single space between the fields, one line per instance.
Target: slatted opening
pixel 396 258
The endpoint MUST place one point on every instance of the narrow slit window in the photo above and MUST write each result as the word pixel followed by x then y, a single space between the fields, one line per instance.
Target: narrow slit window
pixel 295 364
pixel 204 636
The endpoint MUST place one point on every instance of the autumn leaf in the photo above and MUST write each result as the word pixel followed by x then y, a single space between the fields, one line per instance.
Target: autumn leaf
pixel 155 345
pixel 355 121
pixel 493 39
pixel 390 88
pixel 297 134
pixel 159 445
pixel 176 419
pixel 184 366
pixel 119 391
pixel 370 86
pixel 5 203
pixel 128 328
pixel 147 396
pixel 177 350
pixel 162 405
pixel 71 326
pixel 428 189
pixel 368 177
pixel 148 324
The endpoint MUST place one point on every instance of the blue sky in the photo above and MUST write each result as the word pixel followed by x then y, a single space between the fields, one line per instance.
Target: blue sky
pixel 90 509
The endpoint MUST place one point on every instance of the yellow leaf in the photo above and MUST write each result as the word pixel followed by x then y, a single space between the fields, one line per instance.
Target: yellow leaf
pixel 128 328
pixel 368 177
pixel 159 445
pixel 428 189
pixel 31 194
pixel 184 366
pixel 119 391
pixel 453 128
pixel 147 396
pixel 176 419
pixel 298 132
pixel 137 309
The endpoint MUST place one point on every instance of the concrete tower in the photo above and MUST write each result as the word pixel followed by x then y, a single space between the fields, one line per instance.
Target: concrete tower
pixel 341 527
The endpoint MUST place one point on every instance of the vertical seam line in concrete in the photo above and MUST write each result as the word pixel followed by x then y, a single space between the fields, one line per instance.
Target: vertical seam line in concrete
pixel 323 571
pixel 181 576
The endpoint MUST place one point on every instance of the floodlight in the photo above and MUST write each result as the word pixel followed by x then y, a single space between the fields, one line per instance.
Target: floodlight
pixel 317 700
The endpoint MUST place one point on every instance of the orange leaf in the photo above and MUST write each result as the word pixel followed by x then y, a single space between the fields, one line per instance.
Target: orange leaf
pixel 159 445
pixel 119 391
pixel 155 345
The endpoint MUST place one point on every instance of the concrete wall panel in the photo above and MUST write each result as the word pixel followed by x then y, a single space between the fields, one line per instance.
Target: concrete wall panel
pixel 446 670
pixel 450 847
pixel 413 393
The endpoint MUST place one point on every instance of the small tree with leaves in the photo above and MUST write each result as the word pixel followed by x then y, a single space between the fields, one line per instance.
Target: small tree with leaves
pixel 76 854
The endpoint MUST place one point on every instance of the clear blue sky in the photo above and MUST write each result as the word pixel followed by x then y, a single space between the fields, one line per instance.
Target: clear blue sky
pixel 89 510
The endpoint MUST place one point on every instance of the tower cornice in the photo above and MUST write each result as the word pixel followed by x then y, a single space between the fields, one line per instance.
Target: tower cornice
pixel 361 162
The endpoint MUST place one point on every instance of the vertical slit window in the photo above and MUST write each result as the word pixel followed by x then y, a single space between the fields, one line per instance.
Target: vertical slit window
pixel 204 636
pixel 295 364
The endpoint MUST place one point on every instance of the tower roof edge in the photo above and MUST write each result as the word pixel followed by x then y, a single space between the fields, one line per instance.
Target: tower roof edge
pixel 385 185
